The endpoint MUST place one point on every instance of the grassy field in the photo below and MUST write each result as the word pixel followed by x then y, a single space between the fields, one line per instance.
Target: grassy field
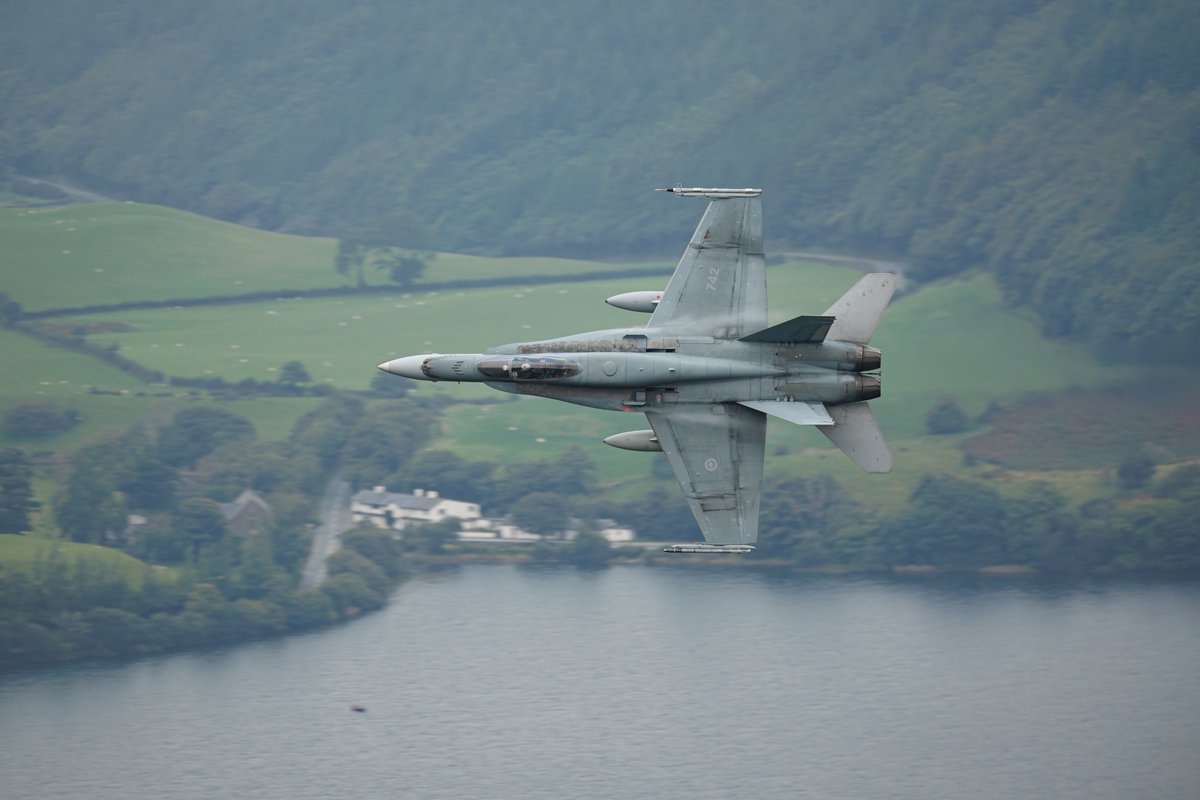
pixel 116 252
pixel 952 339
pixel 22 553
pixel 341 339
pixel 105 253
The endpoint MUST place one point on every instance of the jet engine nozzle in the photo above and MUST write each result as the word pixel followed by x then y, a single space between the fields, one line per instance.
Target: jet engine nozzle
pixel 868 387
pixel 869 359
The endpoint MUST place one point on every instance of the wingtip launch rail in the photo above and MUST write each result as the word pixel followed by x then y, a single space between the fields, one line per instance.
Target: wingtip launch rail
pixel 711 194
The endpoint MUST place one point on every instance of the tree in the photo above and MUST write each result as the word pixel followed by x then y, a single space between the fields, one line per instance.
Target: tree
pixel 575 470
pixel 350 594
pixel 381 548
pixel 16 494
pixel 949 522
pixel 946 417
pixel 196 431
pixel 541 512
pixel 28 420
pixel 151 485
pixel 350 257
pixel 589 549
pixel 383 439
pixel 88 508
pixel 10 310
pixel 389 385
pixel 404 267
pixel 450 475
pixel 293 372
pixel 1135 471
pixel 323 430
pixel 199 521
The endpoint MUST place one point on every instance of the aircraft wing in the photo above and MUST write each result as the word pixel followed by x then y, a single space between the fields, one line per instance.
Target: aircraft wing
pixel 716 453
pixel 719 287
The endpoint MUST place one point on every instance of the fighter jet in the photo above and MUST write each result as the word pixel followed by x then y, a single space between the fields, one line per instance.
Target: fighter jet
pixel 707 370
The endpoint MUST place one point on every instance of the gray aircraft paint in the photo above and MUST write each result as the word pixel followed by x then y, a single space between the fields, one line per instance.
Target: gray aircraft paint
pixel 706 370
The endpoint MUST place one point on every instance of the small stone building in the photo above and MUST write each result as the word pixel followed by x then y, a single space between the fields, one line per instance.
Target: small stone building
pixel 248 515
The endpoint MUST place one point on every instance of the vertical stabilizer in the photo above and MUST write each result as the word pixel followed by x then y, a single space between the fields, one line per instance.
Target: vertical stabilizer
pixel 858 310
pixel 856 432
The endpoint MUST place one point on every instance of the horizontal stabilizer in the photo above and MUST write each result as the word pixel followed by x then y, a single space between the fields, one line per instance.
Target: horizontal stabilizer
pixel 858 310
pixel 857 433
pixel 802 329
pixel 794 412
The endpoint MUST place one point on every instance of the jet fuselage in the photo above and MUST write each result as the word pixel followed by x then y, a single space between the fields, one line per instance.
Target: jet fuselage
pixel 635 368
pixel 707 369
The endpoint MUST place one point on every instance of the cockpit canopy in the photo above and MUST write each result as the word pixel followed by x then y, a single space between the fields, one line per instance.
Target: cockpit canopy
pixel 527 368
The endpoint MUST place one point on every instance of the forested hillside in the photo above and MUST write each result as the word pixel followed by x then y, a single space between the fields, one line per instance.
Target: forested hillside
pixel 1053 142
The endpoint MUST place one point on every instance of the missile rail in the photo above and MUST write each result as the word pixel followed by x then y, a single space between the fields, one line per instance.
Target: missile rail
pixel 704 547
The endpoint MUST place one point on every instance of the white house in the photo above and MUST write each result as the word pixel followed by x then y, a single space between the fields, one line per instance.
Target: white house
pixel 615 533
pixel 608 528
pixel 386 509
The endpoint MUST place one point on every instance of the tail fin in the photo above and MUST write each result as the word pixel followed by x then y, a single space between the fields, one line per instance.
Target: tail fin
pixel 856 432
pixel 858 310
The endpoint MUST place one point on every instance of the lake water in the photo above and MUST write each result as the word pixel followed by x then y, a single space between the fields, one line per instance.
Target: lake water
pixel 509 682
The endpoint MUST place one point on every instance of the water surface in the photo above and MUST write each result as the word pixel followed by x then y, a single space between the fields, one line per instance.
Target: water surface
pixel 500 681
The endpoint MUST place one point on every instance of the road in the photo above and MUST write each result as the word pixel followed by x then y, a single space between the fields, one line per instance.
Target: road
pixel 334 515
pixel 74 192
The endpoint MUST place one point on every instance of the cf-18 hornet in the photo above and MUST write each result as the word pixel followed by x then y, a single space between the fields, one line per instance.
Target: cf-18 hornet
pixel 707 370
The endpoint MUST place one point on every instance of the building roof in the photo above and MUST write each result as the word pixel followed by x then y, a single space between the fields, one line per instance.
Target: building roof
pixel 378 497
pixel 246 499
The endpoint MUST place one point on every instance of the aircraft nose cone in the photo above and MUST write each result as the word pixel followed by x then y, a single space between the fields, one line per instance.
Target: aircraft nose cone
pixel 407 367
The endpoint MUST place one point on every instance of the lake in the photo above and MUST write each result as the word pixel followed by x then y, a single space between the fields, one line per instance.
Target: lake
pixel 498 681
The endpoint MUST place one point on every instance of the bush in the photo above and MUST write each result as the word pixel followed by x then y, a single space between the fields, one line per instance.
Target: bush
pixel 946 417
pixel 1135 471
pixel 29 420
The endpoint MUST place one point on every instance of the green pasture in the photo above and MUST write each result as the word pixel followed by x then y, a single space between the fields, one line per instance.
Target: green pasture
pixel 36 372
pixel 272 417
pixel 105 253
pixel 954 338
pixel 98 253
pixel 340 340
pixel 24 553
pixel 32 368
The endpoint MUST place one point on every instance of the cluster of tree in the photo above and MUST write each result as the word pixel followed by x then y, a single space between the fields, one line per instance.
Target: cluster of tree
pixel 64 611
pixel 289 384
pixel 10 309
pixel 1051 141
pixel 387 245
pixel 162 494
pixel 540 495
pixel 16 492
pixel 175 476
pixel 954 523
pixel 36 419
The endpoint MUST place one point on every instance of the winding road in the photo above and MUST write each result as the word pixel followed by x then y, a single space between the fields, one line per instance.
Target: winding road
pixel 334 517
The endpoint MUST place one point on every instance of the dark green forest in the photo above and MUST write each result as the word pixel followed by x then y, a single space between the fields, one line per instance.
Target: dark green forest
pixel 1055 143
